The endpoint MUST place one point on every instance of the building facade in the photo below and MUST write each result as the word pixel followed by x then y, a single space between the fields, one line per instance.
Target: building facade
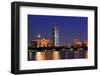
pixel 40 42
pixel 55 36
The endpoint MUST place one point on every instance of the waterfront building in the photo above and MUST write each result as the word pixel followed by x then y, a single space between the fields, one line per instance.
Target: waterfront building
pixel 40 42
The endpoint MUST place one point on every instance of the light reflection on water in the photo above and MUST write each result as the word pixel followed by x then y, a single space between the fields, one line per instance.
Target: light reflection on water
pixel 40 56
pixel 55 55
pixel 47 55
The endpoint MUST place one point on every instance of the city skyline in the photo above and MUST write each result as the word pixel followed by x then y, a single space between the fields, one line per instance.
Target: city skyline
pixel 41 25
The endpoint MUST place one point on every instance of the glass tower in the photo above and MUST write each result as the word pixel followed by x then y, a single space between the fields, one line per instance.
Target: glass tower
pixel 55 35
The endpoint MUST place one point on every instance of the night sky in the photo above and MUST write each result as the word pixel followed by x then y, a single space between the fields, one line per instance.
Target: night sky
pixel 70 27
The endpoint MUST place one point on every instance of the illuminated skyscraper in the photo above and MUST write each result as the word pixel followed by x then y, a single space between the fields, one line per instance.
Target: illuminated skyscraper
pixel 55 36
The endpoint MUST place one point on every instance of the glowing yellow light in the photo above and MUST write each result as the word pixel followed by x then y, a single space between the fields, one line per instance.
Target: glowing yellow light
pixel 56 55
pixel 40 56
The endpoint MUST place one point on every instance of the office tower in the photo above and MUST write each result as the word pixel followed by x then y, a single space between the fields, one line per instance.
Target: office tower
pixel 55 36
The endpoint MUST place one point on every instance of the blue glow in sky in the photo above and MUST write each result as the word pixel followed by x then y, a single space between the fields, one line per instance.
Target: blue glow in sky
pixel 70 27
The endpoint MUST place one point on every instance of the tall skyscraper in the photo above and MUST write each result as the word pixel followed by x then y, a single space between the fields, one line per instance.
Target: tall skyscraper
pixel 55 36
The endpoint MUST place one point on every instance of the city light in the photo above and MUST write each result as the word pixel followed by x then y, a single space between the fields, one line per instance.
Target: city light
pixel 45 49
